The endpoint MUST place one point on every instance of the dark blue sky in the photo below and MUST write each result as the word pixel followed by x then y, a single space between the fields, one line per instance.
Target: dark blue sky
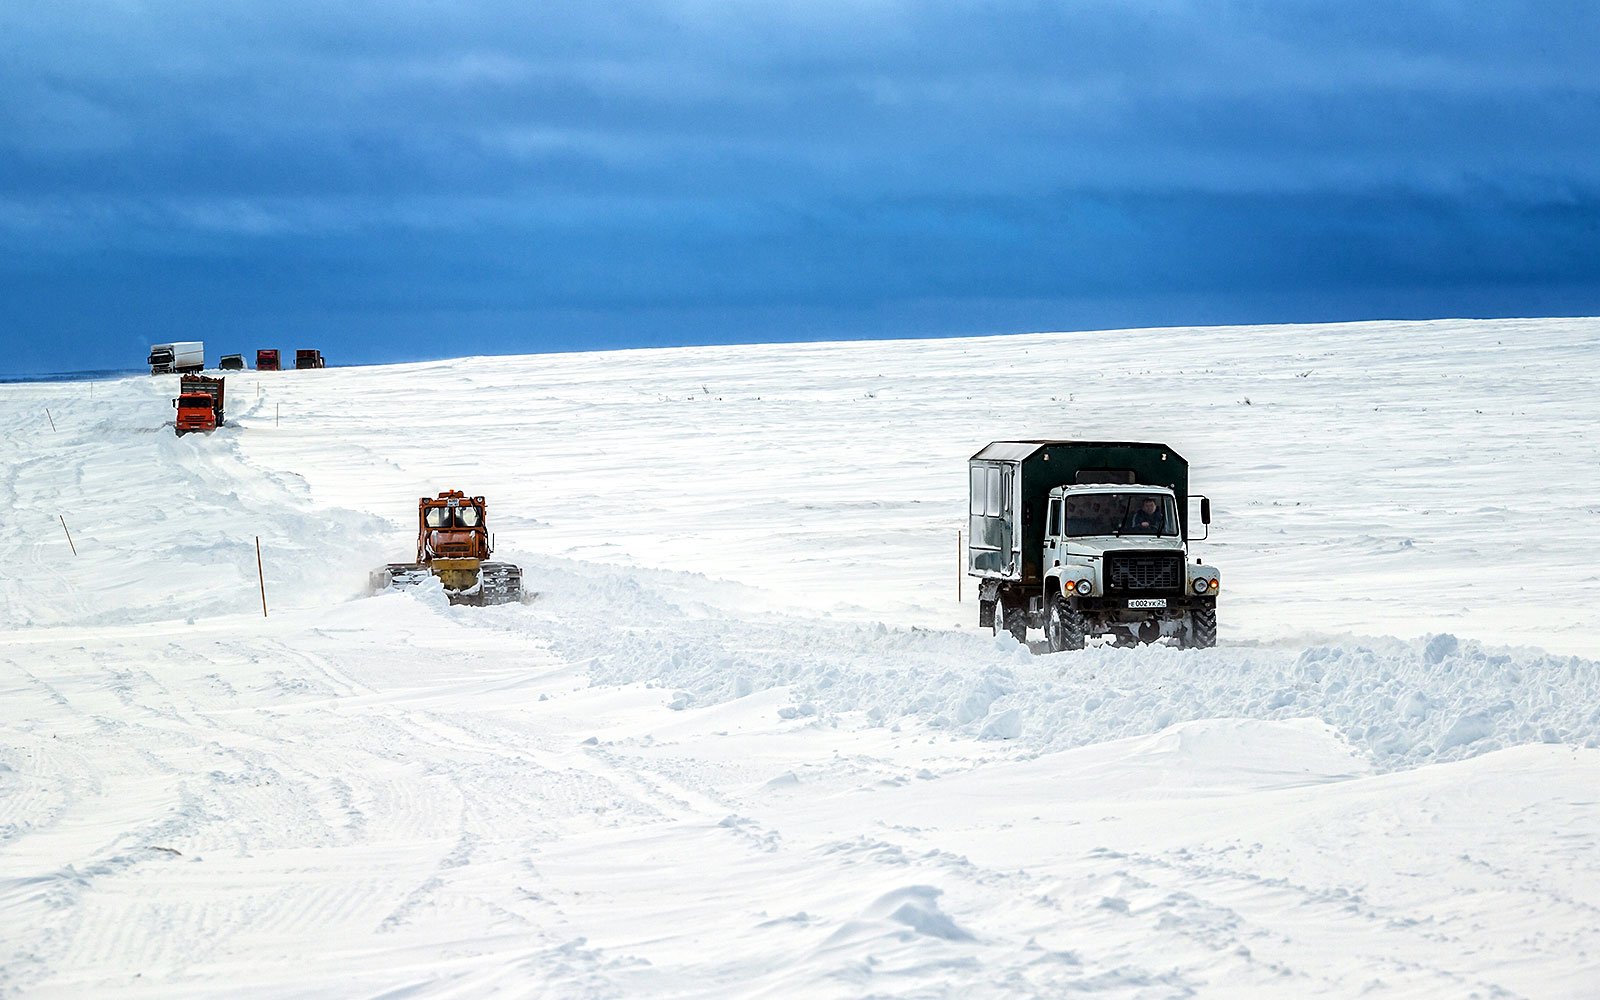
pixel 413 179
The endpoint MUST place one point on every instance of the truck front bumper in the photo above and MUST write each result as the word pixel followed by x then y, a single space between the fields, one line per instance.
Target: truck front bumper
pixel 1128 607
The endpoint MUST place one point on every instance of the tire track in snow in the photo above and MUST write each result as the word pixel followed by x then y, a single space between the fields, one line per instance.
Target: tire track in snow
pixel 242 776
pixel 1240 911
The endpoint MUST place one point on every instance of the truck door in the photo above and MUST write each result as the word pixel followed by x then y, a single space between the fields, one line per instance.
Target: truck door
pixel 994 548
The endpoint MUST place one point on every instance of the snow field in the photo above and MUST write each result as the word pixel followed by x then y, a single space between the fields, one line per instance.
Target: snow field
pixel 746 742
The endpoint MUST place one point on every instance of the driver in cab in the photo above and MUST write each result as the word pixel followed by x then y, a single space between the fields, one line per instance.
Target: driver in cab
pixel 1147 517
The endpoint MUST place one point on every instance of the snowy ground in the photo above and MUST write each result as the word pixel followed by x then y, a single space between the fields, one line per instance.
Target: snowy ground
pixel 747 742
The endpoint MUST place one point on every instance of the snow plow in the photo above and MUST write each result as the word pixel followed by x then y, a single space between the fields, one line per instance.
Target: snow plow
pixel 453 544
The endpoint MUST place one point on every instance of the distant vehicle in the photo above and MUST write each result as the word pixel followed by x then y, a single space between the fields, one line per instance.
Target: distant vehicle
pixel 1087 538
pixel 309 359
pixel 180 356
pixel 231 363
pixel 453 544
pixel 266 360
pixel 199 404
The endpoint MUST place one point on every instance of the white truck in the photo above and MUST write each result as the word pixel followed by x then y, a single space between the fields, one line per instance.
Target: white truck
pixel 182 357
pixel 1090 538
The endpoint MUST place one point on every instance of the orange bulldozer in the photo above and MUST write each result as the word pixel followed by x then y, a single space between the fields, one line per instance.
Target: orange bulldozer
pixel 453 544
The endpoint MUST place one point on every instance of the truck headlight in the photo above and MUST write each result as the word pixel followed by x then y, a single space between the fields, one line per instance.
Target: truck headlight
pixel 1213 586
pixel 1200 585
pixel 1083 587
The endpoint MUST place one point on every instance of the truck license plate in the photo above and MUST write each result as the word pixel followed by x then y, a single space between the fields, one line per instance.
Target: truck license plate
pixel 1148 602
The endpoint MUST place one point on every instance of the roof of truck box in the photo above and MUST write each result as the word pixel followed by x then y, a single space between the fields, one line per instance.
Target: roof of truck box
pixel 1017 451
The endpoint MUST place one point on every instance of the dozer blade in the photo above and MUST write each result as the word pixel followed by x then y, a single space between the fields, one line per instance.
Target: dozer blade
pixel 494 583
pixel 399 576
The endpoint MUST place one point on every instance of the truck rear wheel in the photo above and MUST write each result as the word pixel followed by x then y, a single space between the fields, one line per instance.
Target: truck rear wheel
pixel 1202 628
pixel 1010 618
pixel 1064 627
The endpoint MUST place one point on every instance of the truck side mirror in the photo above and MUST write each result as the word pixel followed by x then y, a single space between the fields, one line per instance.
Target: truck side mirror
pixel 1205 510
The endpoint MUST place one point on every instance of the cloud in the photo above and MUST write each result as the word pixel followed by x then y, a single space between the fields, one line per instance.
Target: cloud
pixel 792 155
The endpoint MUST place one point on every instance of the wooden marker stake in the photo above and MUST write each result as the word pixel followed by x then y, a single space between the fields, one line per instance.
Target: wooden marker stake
pixel 261 578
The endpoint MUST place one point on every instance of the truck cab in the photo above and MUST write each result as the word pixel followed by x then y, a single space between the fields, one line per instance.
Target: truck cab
pixel 1116 563
pixel 195 413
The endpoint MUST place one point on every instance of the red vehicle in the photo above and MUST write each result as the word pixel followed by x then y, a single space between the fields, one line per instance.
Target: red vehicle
pixel 453 544
pixel 266 361
pixel 308 359
pixel 199 404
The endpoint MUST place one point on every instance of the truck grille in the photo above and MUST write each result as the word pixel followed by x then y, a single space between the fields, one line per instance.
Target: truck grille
pixel 1144 572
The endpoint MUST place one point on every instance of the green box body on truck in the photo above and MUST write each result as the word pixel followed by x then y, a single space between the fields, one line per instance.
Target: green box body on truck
pixel 1088 538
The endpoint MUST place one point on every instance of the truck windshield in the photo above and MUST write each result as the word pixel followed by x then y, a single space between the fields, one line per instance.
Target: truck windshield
pixel 1121 514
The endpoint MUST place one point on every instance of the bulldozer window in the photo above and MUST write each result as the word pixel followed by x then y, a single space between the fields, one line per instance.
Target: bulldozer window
pixel 437 517
pixel 467 517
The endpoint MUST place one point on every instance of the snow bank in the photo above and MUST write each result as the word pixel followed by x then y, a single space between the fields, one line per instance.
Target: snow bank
pixel 1400 703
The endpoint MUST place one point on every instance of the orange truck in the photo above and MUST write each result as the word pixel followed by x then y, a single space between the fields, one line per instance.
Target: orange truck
pixel 199 404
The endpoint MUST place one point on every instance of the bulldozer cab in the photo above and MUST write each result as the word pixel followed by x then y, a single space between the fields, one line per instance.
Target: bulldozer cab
pixel 453 545
pixel 452 527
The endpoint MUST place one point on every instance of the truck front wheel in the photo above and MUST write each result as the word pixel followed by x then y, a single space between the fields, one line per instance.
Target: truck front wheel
pixel 1202 628
pixel 1064 627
